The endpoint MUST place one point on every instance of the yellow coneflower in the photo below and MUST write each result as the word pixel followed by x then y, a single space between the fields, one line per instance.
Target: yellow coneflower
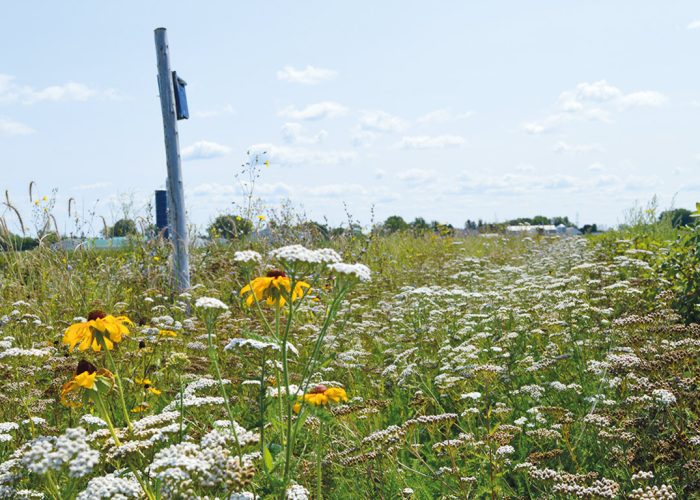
pixel 87 334
pixel 275 289
pixel 147 385
pixel 140 408
pixel 167 333
pixel 85 378
pixel 321 396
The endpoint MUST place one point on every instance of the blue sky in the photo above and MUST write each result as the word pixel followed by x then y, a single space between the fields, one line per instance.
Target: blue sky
pixel 448 110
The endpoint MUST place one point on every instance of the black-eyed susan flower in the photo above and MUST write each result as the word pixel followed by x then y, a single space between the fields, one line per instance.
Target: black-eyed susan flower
pixel 274 289
pixel 147 385
pixel 140 408
pixel 85 378
pixel 167 333
pixel 99 326
pixel 322 396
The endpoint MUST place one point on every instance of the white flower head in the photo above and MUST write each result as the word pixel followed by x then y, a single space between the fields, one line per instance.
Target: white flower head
pixel 210 303
pixel 298 254
pixel 359 272
pixel 505 450
pixel 664 397
pixel 247 257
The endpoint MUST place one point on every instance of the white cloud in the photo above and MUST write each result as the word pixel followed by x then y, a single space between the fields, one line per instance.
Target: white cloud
pixel 93 186
pixel 596 167
pixel 317 111
pixel 597 91
pixel 379 174
pixel 443 116
pixel 643 98
pixel 415 176
pixel 539 127
pixel 563 147
pixel 224 110
pixel 381 121
pixel 524 168
pixel 294 134
pixel 204 150
pixel 430 142
pixel 597 101
pixel 519 184
pixel 11 127
pixel 694 25
pixel 218 193
pixel 296 156
pixel 71 91
pixel 363 138
pixel 310 75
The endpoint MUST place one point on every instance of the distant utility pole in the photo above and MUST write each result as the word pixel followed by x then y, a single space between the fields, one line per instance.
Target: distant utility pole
pixel 167 80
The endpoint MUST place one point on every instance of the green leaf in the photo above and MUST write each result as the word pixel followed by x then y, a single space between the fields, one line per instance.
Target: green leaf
pixel 267 459
pixel 697 210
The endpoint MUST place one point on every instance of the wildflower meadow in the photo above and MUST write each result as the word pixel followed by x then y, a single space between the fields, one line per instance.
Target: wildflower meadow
pixel 409 365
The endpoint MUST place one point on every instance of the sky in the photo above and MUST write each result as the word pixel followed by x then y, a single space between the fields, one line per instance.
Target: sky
pixel 446 110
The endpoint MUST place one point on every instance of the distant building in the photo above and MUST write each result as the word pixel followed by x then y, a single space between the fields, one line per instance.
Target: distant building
pixel 546 229
pixel 532 229
pixel 92 243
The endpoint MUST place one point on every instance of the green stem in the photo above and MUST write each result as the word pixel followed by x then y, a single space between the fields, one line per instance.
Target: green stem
pixel 53 486
pixel 262 408
pixel 119 385
pixel 285 372
pixel 105 415
pixel 319 463
pixel 182 405
pixel 213 357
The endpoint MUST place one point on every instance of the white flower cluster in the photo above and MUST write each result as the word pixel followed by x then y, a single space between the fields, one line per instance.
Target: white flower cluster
pixel 222 435
pixel 210 303
pixel 664 397
pixel 505 450
pixel 247 256
pixel 93 420
pixel 357 271
pixel 52 453
pixel 298 254
pixel 257 344
pixel 297 492
pixel 17 352
pixel 111 486
pixel 192 399
pixel 185 467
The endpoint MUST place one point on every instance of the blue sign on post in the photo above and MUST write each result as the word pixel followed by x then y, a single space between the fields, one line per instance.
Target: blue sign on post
pixel 180 97
pixel 162 212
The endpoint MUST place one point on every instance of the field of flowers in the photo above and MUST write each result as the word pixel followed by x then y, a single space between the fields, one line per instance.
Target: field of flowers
pixel 398 367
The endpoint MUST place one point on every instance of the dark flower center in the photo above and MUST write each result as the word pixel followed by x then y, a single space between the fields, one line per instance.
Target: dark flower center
pixel 96 314
pixel 319 389
pixel 276 273
pixel 85 366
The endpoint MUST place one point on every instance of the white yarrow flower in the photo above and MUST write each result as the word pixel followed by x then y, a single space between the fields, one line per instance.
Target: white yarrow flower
pixel 247 256
pixel 210 303
pixel 357 271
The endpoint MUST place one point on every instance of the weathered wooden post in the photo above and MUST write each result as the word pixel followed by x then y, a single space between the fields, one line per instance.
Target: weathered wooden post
pixel 176 196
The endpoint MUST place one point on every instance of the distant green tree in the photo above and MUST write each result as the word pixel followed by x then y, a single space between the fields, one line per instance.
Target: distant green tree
pixel 419 225
pixel 589 228
pixel 9 242
pixel 123 227
pixel 540 220
pixel 561 220
pixel 230 227
pixel 470 225
pixel 395 223
pixel 678 217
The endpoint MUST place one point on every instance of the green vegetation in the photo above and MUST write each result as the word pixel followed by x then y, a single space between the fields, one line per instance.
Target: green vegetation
pixel 495 367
